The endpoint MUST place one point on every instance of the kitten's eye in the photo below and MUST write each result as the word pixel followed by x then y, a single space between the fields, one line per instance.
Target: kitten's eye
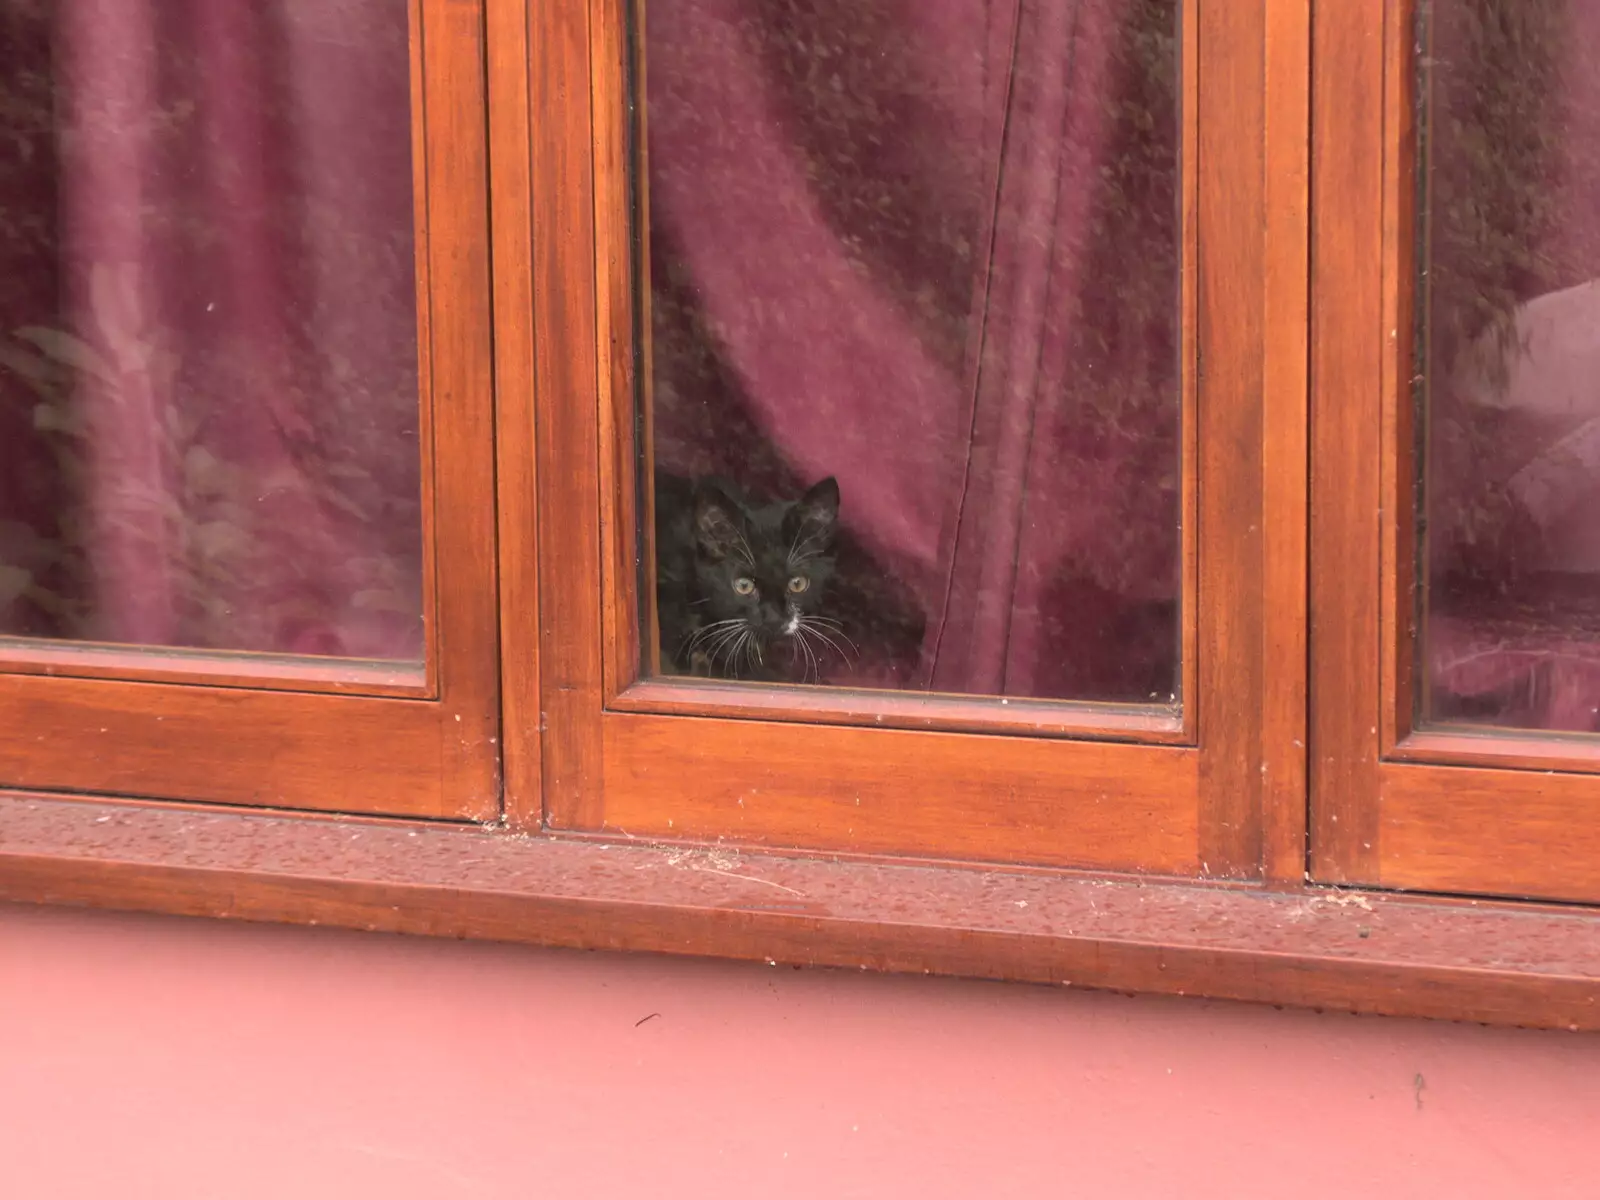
pixel 799 584
pixel 744 586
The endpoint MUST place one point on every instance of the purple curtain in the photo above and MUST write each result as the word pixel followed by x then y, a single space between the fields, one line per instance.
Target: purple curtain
pixel 931 249
pixel 208 364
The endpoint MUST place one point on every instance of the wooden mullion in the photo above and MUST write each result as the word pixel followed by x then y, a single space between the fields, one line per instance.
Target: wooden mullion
pixel 1346 379
pixel 567 395
pixel 1232 272
pixel 1285 463
pixel 516 447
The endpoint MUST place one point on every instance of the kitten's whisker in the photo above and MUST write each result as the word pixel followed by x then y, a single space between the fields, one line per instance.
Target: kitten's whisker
pixel 804 551
pixel 705 632
pixel 727 624
pixel 723 640
pixel 816 651
pixel 831 626
pixel 798 648
pixel 844 655
pixel 828 637
pixel 816 666
pixel 745 546
pixel 729 639
pixel 847 650
pixel 830 622
pixel 749 648
pixel 733 654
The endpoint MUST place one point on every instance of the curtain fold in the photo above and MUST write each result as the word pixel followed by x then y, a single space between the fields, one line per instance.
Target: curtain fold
pixel 932 250
pixel 224 361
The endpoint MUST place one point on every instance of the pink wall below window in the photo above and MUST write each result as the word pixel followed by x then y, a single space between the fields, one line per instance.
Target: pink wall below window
pixel 163 1058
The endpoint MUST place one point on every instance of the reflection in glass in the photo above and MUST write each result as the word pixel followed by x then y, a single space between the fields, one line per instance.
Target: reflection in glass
pixel 914 279
pixel 208 363
pixel 1511 549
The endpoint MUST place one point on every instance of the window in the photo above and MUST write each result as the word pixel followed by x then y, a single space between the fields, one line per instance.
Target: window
pixel 706 476
pixel 1456 699
pixel 246 374
pixel 1026 661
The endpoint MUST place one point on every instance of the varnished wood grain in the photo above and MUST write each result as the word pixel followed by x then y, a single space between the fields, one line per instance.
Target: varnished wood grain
pixel 1346 380
pixel 567 394
pixel 270 672
pixel 619 273
pixel 1444 745
pixel 461 398
pixel 269 730
pixel 1003 800
pixel 1284 463
pixel 1232 600
pixel 231 746
pixel 1398 462
pixel 1486 831
pixel 1188 690
pixel 516 450
pixel 904 710
pixel 1508 964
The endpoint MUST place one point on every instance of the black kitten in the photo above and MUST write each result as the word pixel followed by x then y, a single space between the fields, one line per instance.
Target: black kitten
pixel 738 582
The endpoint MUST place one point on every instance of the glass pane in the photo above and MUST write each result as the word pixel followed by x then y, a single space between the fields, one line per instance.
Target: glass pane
pixel 1511 325
pixel 208 358
pixel 914 316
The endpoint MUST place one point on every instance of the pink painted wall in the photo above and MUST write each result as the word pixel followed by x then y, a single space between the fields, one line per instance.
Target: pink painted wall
pixel 156 1057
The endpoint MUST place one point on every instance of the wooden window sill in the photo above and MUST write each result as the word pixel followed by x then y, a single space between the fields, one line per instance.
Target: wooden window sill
pixel 1512 964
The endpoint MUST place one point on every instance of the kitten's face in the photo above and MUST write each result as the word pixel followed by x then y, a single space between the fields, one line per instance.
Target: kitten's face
pixel 764 569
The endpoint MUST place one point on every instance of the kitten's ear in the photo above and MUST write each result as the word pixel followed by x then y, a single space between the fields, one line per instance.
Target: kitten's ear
pixel 716 522
pixel 817 512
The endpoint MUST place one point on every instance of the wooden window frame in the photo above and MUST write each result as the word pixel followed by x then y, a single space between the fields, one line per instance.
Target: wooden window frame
pixel 271 730
pixel 1438 809
pixel 1272 936
pixel 948 777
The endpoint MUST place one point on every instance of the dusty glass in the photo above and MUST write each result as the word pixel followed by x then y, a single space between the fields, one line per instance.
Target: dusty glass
pixel 209 403
pixel 1510 364
pixel 913 375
